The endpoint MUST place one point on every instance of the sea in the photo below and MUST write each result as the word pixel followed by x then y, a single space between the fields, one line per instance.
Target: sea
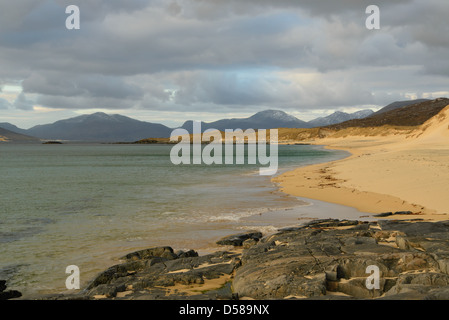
pixel 90 204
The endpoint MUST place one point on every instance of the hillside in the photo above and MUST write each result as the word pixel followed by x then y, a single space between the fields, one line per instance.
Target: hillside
pixel 9 136
pixel 268 119
pixel 399 104
pixel 408 120
pixel 13 128
pixel 100 127
pixel 409 115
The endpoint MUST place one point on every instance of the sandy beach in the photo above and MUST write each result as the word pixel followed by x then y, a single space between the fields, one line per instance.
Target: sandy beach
pixel 401 171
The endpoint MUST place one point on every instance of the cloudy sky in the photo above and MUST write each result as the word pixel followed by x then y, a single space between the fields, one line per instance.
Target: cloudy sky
pixel 168 61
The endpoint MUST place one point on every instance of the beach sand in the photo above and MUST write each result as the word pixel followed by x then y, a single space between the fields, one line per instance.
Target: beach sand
pixel 388 173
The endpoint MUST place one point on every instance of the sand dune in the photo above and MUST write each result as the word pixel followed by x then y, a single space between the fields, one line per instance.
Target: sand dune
pixel 393 170
pixel 434 131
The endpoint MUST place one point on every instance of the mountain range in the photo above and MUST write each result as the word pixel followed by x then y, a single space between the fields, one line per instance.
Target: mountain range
pixel 268 119
pixel 338 117
pixel 102 127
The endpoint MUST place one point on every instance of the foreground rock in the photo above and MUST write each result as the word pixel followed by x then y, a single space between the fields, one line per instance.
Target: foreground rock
pixel 161 273
pixel 328 257
pixel 10 294
pixel 324 259
pixel 238 239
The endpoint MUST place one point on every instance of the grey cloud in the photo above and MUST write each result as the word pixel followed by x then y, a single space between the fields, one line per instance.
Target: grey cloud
pixel 227 88
pixel 4 104
pixel 81 102
pixel 43 14
pixel 213 9
pixel 258 89
pixel 22 103
pixel 149 41
pixel 69 85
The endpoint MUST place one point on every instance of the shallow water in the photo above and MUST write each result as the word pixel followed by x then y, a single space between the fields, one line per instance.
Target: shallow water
pixel 89 204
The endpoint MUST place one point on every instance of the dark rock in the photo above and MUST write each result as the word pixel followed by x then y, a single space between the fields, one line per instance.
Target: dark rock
pixel 416 228
pixel 147 277
pixel 438 294
pixel 11 294
pixel 248 243
pixel 403 212
pixel 162 252
pixel 186 254
pixel 387 214
pixel 120 270
pixel 107 290
pixel 331 223
pixel 237 239
pixel 6 295
pixel 384 214
pixel 290 262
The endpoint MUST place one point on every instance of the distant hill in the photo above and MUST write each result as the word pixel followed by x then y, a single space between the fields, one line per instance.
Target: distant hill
pixel 409 115
pixel 100 127
pixel 399 104
pixel 338 117
pixel 268 119
pixel 13 128
pixel 10 136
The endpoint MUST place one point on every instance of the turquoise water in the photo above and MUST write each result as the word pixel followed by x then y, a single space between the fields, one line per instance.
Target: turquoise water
pixel 88 205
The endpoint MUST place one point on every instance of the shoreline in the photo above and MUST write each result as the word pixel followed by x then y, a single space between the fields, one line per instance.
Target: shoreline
pixel 330 181
pixel 326 259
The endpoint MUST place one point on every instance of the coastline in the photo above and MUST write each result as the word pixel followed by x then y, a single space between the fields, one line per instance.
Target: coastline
pixel 326 259
pixel 373 180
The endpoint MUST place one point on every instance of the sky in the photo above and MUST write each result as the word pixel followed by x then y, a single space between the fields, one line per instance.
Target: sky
pixel 168 61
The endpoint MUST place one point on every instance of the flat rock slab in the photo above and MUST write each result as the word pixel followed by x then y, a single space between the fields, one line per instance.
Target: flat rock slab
pixel 331 256
pixel 153 273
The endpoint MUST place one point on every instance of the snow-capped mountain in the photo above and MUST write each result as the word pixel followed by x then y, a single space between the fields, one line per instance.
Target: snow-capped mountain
pixel 268 119
pixel 338 117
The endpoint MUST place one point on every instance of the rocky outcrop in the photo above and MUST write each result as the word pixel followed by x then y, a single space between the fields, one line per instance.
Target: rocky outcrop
pixel 327 257
pixel 387 214
pixel 238 239
pixel 10 294
pixel 154 273
pixel 323 259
